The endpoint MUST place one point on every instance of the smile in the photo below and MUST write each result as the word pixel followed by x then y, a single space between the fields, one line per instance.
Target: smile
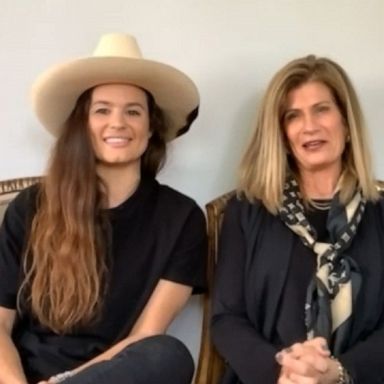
pixel 313 144
pixel 117 140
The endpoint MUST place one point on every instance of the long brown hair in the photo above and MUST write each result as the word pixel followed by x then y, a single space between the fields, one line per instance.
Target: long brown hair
pixel 65 260
pixel 266 161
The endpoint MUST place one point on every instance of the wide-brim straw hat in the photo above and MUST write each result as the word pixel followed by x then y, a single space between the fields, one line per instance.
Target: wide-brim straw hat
pixel 116 59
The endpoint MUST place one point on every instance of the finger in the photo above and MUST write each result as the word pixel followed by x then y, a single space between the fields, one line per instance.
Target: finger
pixel 318 362
pixel 285 379
pixel 295 350
pixel 309 353
pixel 320 344
pixel 316 347
pixel 297 365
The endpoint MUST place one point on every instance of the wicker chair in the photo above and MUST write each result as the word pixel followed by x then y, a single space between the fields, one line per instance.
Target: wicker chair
pixel 380 186
pixel 10 188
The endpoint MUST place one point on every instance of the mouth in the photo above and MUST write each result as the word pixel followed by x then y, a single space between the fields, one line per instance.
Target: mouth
pixel 313 144
pixel 117 140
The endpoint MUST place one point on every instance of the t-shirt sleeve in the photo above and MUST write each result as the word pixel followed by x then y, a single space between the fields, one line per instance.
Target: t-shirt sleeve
pixel 187 263
pixel 12 237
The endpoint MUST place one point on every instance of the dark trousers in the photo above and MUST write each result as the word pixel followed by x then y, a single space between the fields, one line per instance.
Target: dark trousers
pixel 158 359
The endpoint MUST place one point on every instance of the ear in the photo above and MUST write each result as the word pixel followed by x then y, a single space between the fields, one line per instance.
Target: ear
pixel 347 133
pixel 150 129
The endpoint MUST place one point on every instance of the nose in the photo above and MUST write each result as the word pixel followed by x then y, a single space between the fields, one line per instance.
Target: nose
pixel 117 120
pixel 309 123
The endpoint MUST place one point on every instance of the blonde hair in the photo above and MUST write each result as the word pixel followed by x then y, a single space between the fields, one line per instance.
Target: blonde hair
pixel 265 164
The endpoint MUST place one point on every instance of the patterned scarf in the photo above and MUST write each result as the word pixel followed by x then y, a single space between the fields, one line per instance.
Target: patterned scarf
pixel 332 292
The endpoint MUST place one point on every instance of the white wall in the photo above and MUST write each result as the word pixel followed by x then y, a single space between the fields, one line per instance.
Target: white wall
pixel 231 48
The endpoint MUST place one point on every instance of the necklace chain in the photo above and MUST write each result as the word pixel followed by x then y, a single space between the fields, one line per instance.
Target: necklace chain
pixel 322 205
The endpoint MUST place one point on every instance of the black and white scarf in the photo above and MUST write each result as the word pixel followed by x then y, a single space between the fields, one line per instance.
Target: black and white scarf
pixel 332 292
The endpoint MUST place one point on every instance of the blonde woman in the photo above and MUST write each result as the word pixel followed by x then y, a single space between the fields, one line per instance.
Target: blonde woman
pixel 98 259
pixel 299 292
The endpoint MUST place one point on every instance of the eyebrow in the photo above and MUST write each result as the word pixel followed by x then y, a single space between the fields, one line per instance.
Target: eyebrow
pixel 330 101
pixel 108 103
pixel 313 105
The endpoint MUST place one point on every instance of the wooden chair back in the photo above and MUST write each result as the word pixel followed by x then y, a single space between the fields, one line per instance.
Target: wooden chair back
pixel 210 366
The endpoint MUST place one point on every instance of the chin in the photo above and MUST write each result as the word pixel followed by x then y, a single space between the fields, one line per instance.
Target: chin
pixel 119 162
pixel 321 166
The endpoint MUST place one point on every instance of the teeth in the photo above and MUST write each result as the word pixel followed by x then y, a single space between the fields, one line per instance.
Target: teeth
pixel 116 140
pixel 313 144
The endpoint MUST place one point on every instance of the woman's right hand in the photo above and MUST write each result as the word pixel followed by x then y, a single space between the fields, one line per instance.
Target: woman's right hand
pixel 307 363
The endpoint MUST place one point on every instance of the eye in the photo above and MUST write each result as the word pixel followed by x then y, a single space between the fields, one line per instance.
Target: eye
pixel 289 116
pixel 322 108
pixel 133 112
pixel 101 111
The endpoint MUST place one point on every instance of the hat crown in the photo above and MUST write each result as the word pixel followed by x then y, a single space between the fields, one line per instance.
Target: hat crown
pixel 118 45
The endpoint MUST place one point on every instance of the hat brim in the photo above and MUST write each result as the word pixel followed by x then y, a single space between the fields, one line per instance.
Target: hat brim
pixel 55 92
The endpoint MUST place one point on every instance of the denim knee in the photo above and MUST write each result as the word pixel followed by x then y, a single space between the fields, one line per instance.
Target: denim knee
pixel 165 348
pixel 159 359
pixel 169 347
pixel 164 354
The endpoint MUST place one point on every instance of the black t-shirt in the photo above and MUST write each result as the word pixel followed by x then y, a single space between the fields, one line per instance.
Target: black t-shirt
pixel 157 233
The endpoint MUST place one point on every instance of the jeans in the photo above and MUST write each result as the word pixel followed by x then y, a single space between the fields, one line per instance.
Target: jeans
pixel 158 359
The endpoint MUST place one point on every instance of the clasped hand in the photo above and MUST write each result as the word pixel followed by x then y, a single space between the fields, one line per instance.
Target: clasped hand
pixel 309 362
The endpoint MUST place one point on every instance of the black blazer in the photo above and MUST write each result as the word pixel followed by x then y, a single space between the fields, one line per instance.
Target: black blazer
pixel 255 254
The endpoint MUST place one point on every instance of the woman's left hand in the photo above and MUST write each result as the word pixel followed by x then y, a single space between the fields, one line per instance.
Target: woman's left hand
pixel 49 381
pixel 307 363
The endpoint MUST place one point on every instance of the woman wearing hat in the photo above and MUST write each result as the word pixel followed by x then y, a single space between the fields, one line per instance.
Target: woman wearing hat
pixel 98 259
pixel 299 295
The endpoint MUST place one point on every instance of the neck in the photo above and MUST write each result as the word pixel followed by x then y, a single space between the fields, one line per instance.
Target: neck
pixel 320 184
pixel 121 182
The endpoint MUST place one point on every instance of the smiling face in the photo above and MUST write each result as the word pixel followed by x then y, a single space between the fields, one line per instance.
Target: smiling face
pixel 314 128
pixel 119 124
